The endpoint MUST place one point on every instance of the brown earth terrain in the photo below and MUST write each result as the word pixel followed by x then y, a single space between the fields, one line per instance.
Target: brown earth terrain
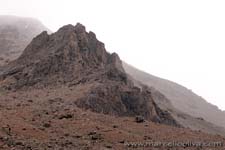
pixel 49 119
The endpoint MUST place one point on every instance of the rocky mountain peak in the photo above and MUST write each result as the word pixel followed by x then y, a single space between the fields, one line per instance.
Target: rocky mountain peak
pixel 66 55
pixel 78 28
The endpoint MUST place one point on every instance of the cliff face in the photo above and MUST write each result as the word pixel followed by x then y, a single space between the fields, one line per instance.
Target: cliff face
pixel 73 57
pixel 15 34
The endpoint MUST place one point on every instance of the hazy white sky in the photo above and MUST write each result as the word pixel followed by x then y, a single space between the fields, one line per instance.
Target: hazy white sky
pixel 180 40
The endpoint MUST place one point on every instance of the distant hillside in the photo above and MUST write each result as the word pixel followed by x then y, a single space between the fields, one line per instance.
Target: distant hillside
pixel 15 34
pixel 181 98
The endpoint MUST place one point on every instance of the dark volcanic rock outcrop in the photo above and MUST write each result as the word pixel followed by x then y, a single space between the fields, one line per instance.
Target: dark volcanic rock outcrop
pixel 112 98
pixel 73 57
